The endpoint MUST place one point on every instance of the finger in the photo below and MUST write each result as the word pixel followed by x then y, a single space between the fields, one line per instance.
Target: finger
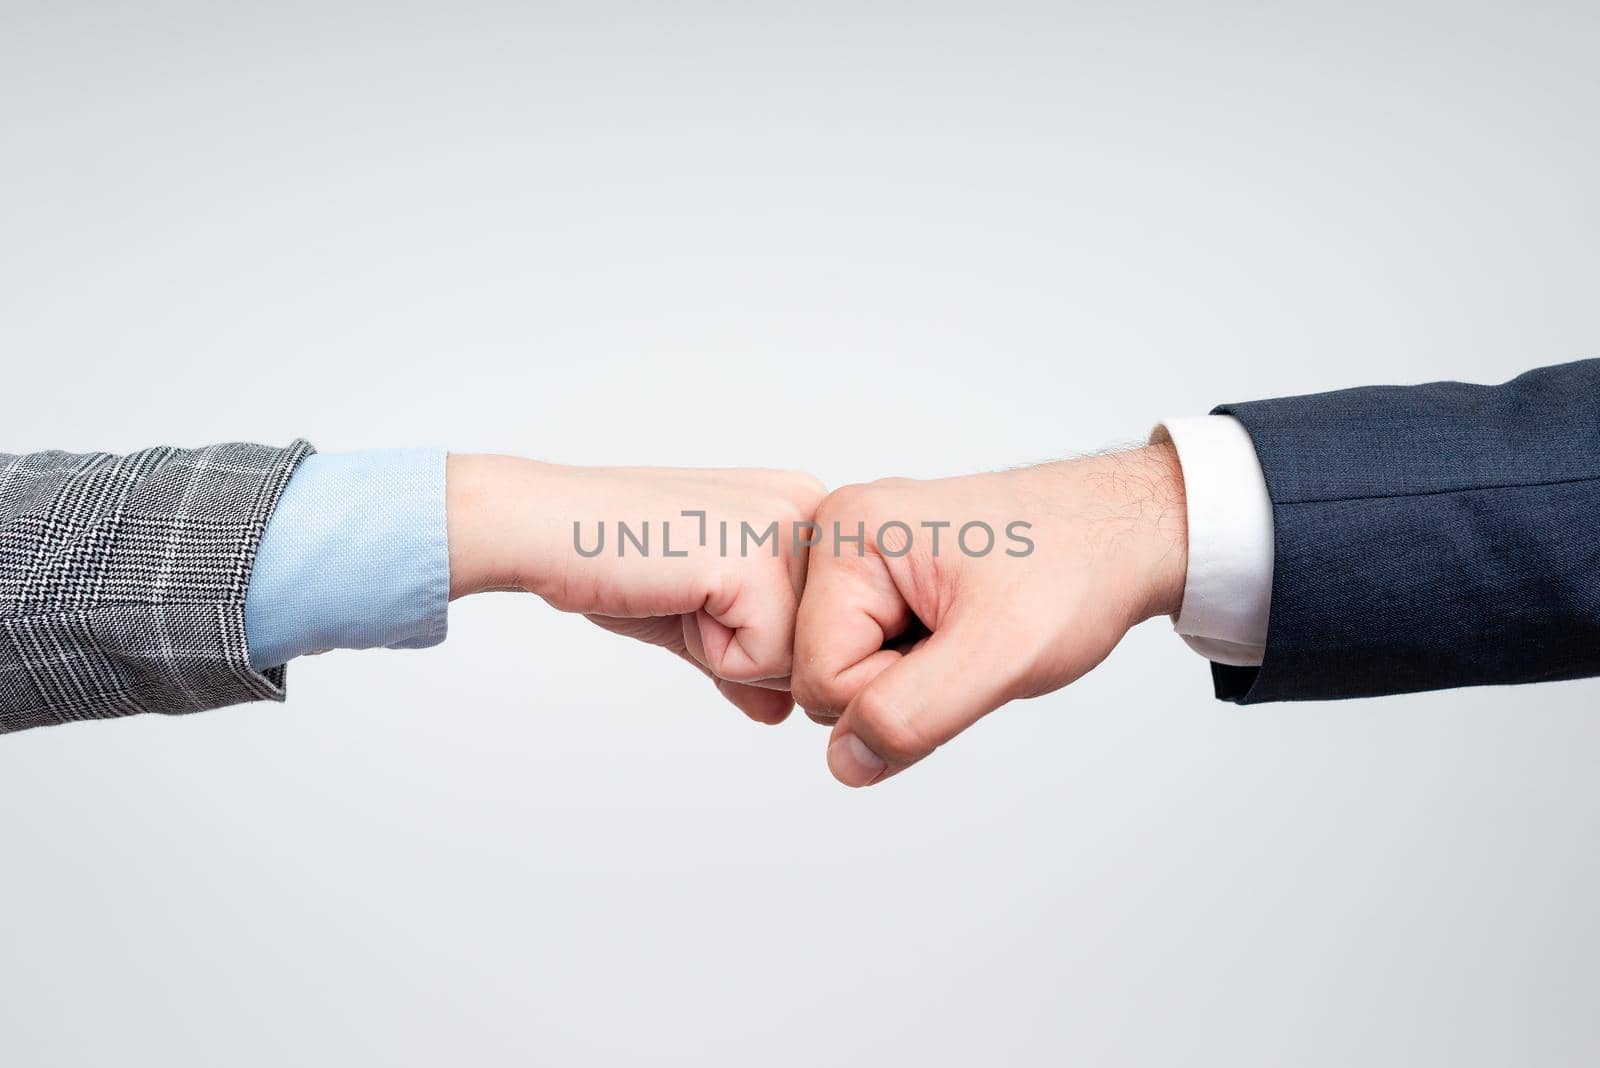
pixel 850 608
pixel 918 703
pixel 771 707
pixel 695 647
pixel 766 702
pixel 761 704
pixel 691 640
pixel 780 682
pixel 841 690
pixel 748 634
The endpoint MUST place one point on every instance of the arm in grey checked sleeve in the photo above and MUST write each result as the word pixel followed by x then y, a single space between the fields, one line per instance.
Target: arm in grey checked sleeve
pixel 123 580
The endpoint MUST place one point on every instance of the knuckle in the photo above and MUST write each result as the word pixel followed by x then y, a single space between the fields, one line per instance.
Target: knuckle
pixel 779 665
pixel 791 494
pixel 805 691
pixel 796 508
pixel 820 693
pixel 845 501
pixel 892 734
pixel 738 665
pixel 806 487
pixel 732 669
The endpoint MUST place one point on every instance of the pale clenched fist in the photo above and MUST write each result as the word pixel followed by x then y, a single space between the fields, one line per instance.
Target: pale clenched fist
pixel 708 564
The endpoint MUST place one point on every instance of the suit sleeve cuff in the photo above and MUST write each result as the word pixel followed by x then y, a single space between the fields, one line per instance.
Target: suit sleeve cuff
pixel 356 556
pixel 1227 594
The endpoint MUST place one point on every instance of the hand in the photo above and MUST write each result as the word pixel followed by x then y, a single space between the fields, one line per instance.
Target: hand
pixel 905 647
pixel 730 613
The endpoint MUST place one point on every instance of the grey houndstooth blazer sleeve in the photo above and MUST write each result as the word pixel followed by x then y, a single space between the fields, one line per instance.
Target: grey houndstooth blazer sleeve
pixel 123 579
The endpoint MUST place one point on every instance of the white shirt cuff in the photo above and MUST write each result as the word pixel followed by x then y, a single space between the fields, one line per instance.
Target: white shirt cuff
pixel 1227 595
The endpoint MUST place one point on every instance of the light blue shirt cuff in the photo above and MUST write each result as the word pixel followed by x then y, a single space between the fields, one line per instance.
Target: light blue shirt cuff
pixel 356 556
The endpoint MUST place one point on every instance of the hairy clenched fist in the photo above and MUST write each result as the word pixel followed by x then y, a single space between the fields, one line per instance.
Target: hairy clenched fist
pixel 962 594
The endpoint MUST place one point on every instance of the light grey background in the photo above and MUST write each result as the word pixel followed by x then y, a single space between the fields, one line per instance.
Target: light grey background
pixel 865 239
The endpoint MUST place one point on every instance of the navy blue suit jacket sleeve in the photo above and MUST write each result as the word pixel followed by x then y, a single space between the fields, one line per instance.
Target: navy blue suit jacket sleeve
pixel 1429 537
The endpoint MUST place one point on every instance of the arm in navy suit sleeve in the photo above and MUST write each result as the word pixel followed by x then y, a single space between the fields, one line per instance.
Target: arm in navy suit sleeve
pixel 1429 537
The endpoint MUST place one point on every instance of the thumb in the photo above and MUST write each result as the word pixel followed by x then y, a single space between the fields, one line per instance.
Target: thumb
pixel 919 702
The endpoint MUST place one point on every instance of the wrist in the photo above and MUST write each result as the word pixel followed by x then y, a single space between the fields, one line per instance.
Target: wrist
pixel 1169 531
pixel 1147 509
pixel 496 540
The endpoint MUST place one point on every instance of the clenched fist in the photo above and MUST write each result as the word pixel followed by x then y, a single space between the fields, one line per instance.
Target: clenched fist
pixel 965 593
pixel 704 563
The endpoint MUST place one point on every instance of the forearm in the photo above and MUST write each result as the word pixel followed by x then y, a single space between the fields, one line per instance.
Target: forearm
pixel 1430 536
pixel 123 578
